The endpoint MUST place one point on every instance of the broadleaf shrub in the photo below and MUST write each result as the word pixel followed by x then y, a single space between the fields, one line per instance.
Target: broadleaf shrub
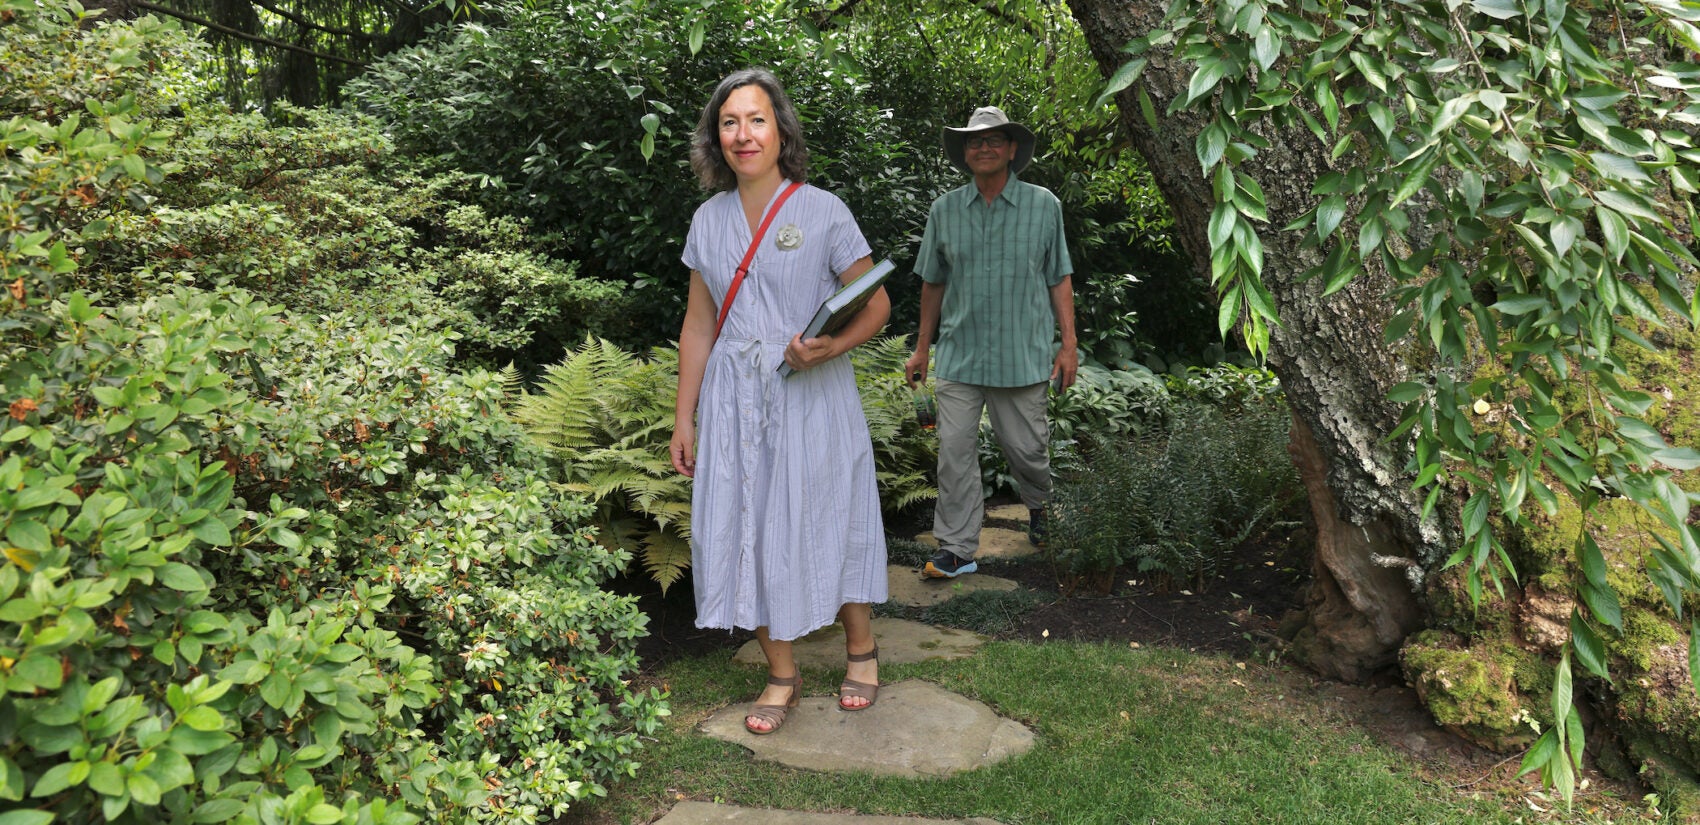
pixel 270 555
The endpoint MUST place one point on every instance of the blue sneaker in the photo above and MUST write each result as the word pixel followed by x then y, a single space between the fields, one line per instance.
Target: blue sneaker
pixel 948 565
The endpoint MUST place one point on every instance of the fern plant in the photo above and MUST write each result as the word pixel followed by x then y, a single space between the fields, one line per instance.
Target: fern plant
pixel 607 416
pixel 905 453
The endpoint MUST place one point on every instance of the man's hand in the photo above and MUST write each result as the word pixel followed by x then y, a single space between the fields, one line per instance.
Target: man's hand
pixel 684 448
pixel 802 355
pixel 1065 368
pixel 915 369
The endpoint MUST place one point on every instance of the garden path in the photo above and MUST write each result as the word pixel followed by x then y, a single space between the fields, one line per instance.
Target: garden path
pixel 916 729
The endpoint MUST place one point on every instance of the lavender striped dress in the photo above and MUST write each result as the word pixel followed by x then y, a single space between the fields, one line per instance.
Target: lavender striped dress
pixel 785 515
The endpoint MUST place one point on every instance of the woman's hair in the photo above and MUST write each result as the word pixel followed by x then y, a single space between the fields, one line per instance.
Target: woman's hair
pixel 710 163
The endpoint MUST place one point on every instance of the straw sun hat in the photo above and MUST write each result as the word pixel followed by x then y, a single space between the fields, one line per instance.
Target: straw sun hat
pixel 986 119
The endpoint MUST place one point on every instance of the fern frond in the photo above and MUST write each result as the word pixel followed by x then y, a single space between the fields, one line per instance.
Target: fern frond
pixel 666 556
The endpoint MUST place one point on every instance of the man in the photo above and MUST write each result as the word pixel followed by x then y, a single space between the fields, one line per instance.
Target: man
pixel 995 276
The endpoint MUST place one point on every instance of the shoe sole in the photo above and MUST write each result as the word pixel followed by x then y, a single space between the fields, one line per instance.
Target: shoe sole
pixel 935 573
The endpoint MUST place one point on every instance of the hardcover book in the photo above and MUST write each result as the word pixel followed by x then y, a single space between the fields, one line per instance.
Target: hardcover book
pixel 841 306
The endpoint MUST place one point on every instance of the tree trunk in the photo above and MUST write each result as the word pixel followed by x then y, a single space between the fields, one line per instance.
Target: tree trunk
pixel 1372 541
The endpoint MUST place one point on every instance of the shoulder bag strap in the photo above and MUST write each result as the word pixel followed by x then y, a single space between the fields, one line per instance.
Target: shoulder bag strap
pixel 750 255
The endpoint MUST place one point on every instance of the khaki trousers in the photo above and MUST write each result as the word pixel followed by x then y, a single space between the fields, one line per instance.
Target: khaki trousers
pixel 1018 424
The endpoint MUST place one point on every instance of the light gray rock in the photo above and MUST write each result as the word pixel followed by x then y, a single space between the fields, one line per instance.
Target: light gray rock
pixel 708 813
pixel 910 588
pixel 916 729
pixel 995 543
pixel 1008 512
pixel 901 642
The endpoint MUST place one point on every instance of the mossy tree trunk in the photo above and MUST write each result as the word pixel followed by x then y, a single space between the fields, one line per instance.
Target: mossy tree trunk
pixel 1330 358
pixel 1379 593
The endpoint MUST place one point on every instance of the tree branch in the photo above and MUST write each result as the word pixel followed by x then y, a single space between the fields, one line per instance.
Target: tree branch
pixel 302 21
pixel 241 35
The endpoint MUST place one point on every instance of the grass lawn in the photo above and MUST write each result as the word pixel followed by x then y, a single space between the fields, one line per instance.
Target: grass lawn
pixel 1124 736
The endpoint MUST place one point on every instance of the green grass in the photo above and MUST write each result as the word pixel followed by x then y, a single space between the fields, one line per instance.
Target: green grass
pixel 1124 736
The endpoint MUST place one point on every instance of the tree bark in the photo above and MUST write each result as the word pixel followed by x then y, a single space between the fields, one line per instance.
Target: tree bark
pixel 1373 541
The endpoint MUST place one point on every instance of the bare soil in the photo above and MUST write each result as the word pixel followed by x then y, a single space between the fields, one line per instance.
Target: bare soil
pixel 1236 613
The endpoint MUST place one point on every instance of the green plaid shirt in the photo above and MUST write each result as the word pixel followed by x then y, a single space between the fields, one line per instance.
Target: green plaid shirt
pixel 998 262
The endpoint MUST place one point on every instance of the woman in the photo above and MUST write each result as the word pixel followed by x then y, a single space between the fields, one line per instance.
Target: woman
pixel 785 520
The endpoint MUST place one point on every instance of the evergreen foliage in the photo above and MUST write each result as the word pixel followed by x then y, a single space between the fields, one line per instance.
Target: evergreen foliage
pixel 270 555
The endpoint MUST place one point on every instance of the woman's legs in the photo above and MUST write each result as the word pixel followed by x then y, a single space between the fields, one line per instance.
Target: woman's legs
pixel 858 622
pixel 780 663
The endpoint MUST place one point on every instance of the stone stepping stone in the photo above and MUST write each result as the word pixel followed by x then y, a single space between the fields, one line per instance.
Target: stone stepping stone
pixel 910 588
pixel 995 543
pixel 917 729
pixel 1008 512
pixel 901 642
pixel 709 813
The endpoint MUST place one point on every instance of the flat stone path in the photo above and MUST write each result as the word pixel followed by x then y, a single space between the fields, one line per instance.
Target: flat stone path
pixel 901 642
pixel 916 729
pixel 995 543
pixel 708 813
pixel 909 587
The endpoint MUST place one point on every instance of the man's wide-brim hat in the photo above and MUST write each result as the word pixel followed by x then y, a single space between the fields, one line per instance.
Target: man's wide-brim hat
pixel 988 119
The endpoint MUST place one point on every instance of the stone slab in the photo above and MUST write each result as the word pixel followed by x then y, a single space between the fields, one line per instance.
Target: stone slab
pixel 995 543
pixel 709 813
pixel 1008 512
pixel 901 642
pixel 917 729
pixel 910 588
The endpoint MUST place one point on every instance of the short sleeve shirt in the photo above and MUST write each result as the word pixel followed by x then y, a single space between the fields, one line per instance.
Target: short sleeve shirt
pixel 998 262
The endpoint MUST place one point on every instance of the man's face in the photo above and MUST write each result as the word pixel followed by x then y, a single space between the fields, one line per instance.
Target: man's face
pixel 989 152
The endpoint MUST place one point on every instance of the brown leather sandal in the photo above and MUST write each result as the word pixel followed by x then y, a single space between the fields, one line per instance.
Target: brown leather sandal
pixel 851 687
pixel 774 715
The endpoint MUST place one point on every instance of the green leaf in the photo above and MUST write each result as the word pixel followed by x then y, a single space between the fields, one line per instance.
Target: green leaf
pixel 203 718
pixel 650 122
pixel 181 577
pixel 1209 72
pixel 1602 601
pixel 1678 458
pixel 1210 144
pixel 59 777
pixel 25 818
pixel 1124 77
pixel 1592 560
pixel 1590 649
pixel 646 146
pixel 1561 687
pixel 106 779
pixel 1520 304
pixel 1497 9
pixel 245 671
pixel 1614 229
pixel 1619 167
pixel 698 30
pixel 217 810
pixel 1329 214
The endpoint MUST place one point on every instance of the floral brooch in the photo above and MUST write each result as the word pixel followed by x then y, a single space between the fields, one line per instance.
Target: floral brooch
pixel 789 237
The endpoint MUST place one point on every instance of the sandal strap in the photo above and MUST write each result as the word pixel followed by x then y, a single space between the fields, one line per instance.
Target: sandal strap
pixel 785 681
pixel 863 657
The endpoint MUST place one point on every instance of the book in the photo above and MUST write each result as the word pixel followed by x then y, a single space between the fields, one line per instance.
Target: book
pixel 841 306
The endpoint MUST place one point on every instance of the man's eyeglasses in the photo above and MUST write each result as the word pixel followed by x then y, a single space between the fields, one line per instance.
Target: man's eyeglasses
pixel 995 140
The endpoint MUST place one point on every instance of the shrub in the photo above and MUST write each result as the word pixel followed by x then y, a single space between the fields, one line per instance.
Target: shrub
pixel 262 563
pixel 1104 405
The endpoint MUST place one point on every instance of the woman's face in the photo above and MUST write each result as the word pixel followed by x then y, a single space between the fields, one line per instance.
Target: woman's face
pixel 749 134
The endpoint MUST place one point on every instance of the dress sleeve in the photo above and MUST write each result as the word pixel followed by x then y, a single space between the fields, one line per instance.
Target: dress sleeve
pixel 693 255
pixel 848 244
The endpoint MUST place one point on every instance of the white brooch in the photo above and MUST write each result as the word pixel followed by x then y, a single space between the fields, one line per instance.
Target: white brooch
pixel 789 237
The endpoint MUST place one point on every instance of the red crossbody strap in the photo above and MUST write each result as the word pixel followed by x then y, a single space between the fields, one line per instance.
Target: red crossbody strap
pixel 750 255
